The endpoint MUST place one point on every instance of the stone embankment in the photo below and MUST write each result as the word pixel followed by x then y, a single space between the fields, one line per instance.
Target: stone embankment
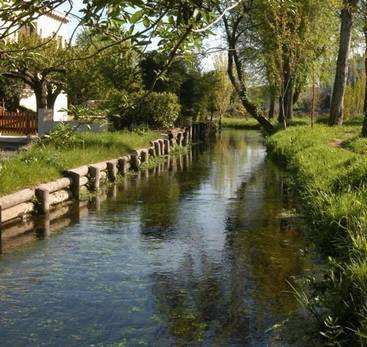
pixel 45 198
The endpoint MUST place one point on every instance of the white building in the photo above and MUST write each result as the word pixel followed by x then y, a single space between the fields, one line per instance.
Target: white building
pixel 50 24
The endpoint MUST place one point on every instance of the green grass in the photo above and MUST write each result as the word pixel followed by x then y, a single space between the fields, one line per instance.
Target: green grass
pixel 329 169
pixel 240 123
pixel 251 123
pixel 40 164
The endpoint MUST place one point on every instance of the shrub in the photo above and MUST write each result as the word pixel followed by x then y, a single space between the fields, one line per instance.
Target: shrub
pixel 62 136
pixel 160 110
pixel 156 110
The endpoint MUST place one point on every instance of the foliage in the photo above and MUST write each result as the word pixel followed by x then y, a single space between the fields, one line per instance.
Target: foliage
pixel 223 90
pixel 197 94
pixel 104 73
pixel 152 63
pixel 160 110
pixel 61 136
pixel 355 89
pixel 40 69
pixel 196 90
pixel 295 44
pixel 10 91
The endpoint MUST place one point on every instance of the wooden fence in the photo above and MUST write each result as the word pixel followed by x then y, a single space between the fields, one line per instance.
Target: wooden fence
pixel 18 123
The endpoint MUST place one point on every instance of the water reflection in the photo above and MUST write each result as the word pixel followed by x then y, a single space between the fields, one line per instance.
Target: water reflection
pixel 192 253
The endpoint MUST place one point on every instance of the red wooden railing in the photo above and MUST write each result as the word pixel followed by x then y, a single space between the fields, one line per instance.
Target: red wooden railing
pixel 18 123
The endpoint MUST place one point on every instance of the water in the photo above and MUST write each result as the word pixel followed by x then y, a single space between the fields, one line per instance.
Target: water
pixel 197 256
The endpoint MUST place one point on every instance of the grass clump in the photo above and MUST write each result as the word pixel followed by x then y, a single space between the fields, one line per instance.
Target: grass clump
pixel 46 160
pixel 329 170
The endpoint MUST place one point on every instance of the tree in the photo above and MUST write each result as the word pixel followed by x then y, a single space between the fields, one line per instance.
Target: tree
pixel 96 78
pixel 40 69
pixel 10 91
pixel 235 68
pixel 346 25
pixel 223 90
pixel 152 63
pixel 292 37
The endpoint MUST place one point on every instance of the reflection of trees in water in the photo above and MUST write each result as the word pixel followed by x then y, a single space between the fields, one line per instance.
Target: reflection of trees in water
pixel 261 251
pixel 230 154
pixel 236 301
pixel 157 198
pixel 160 203
pixel 196 307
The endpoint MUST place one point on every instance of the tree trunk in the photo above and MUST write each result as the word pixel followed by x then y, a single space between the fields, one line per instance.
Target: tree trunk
pixel 287 93
pixel 237 79
pixel 364 127
pixel 337 101
pixel 272 105
pixel 51 99
pixel 41 95
pixel 297 92
pixel 313 101
pixel 250 107
pixel 281 117
pixel 288 101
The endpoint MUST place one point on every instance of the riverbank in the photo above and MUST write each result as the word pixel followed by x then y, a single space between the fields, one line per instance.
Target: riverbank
pixel 240 123
pixel 45 162
pixel 329 170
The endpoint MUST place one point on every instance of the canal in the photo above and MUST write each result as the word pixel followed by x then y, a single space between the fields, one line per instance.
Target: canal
pixel 194 255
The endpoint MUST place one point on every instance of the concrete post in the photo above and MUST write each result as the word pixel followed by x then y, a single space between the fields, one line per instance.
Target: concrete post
pixel 179 138
pixel 161 146
pixel 75 186
pixel 167 147
pixel 135 162
pixel 185 140
pixel 123 165
pixel 43 200
pixel 112 170
pixel 189 130
pixel 152 152
pixel 95 177
pixel 144 155
pixel 157 148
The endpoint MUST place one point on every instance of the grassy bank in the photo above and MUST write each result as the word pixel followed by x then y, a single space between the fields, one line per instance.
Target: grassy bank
pixel 329 168
pixel 45 162
pixel 251 123
pixel 240 123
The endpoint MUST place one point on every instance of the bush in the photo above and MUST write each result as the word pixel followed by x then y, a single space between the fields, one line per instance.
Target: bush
pixel 155 110
pixel 62 136
pixel 160 110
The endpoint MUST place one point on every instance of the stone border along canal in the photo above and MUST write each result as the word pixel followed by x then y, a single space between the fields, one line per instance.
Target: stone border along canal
pixel 18 208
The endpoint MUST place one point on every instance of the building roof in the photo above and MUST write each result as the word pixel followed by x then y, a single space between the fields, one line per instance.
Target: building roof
pixel 59 16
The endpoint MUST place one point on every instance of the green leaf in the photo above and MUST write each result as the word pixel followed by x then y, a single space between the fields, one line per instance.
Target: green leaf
pixel 136 16
pixel 146 22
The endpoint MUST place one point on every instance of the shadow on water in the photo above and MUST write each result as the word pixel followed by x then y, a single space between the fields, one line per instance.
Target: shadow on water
pixel 193 253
